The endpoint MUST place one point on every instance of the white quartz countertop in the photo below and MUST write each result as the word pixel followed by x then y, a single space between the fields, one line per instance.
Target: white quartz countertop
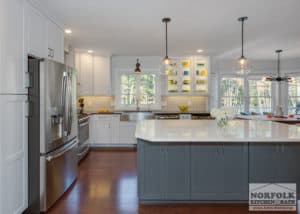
pixel 208 131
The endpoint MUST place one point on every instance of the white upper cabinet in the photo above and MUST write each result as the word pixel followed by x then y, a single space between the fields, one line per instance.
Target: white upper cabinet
pixel 12 79
pixel 55 42
pixel 93 75
pixel 101 76
pixel 43 38
pixel 35 31
pixel 84 67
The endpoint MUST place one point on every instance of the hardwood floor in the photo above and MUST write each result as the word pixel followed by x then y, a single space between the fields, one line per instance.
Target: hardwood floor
pixel 107 184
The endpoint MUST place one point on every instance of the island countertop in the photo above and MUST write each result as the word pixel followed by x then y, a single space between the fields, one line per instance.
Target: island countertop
pixel 208 131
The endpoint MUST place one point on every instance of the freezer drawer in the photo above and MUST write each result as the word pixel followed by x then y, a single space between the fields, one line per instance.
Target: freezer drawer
pixel 58 172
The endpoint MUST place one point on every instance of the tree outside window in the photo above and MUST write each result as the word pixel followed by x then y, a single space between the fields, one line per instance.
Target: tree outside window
pixel 232 93
pixel 138 87
pixel 260 99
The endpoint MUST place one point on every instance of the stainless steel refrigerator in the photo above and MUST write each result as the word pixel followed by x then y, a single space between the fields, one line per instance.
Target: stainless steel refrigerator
pixel 52 132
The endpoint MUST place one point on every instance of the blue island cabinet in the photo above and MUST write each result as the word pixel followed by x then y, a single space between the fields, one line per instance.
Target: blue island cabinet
pixel 275 163
pixel 163 171
pixel 219 172
pixel 169 172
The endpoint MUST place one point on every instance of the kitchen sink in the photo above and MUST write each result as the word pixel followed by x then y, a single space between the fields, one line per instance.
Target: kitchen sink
pixel 136 115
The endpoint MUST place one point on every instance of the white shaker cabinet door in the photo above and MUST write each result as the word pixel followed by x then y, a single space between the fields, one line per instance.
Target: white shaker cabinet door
pixel 127 132
pixel 35 31
pixel 55 42
pixel 13 156
pixel 84 67
pixel 101 80
pixel 100 129
pixel 12 60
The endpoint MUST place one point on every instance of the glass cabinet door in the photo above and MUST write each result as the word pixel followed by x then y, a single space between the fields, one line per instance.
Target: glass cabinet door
pixel 201 77
pixel 186 76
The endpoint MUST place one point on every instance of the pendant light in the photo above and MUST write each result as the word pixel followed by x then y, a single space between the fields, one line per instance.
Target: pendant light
pixel 137 69
pixel 279 78
pixel 166 59
pixel 243 63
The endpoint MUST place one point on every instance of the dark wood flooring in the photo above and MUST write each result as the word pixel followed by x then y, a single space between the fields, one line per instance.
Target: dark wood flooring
pixel 107 184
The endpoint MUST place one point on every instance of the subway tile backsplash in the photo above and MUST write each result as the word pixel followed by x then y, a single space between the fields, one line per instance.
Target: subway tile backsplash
pixel 195 103
pixel 168 103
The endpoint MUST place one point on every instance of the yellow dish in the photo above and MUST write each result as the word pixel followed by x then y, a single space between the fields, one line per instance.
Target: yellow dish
pixel 183 108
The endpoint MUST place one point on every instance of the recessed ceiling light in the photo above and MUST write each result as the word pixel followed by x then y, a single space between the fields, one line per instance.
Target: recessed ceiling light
pixel 68 31
pixel 90 51
pixel 199 50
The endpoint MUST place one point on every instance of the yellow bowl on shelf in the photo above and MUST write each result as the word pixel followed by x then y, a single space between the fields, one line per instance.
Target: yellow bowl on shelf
pixel 183 108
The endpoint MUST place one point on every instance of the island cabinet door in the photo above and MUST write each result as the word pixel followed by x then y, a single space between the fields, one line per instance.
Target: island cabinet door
pixel 235 163
pixel 177 171
pixel 262 162
pixel 287 162
pixel 206 172
pixel 150 170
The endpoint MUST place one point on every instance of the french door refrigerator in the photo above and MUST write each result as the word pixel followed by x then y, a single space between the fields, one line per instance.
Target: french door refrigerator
pixel 52 132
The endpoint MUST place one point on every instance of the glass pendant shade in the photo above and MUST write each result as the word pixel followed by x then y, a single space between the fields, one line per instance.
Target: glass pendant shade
pixel 242 66
pixel 166 60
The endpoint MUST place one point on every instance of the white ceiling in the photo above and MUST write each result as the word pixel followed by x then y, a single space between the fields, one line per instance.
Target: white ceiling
pixel 134 27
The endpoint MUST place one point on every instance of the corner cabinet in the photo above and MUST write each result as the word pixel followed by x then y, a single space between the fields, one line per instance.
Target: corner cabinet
pixel 93 75
pixel 188 76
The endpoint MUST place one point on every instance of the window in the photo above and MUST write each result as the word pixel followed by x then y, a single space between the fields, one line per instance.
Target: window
pixel 260 99
pixel 138 87
pixel 294 97
pixel 128 89
pixel 232 93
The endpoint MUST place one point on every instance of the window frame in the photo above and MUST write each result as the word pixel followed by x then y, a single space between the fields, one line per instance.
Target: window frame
pixel 231 76
pixel 258 77
pixel 296 75
pixel 133 107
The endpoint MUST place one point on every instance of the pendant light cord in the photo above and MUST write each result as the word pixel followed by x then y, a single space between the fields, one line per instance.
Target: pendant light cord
pixel 278 64
pixel 242 38
pixel 166 39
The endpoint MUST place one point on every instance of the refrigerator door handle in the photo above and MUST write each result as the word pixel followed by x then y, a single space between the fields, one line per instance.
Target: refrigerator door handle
pixel 63 101
pixel 69 86
pixel 62 151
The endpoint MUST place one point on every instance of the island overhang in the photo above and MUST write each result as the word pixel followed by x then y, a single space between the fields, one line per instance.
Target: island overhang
pixel 209 131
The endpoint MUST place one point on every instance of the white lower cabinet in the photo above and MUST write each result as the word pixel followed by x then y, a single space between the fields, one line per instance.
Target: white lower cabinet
pixel 104 129
pixel 13 154
pixel 109 130
pixel 127 132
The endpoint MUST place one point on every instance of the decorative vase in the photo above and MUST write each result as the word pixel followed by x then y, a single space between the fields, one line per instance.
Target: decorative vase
pixel 222 122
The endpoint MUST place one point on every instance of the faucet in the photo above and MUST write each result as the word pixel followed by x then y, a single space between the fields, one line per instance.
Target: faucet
pixel 137 104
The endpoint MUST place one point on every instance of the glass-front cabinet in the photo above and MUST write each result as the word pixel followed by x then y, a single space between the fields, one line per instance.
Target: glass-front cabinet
pixel 188 76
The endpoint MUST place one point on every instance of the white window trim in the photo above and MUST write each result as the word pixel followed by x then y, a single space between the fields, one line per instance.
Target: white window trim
pixel 286 100
pixel 119 106
pixel 246 87
pixel 258 77
pixel 221 76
